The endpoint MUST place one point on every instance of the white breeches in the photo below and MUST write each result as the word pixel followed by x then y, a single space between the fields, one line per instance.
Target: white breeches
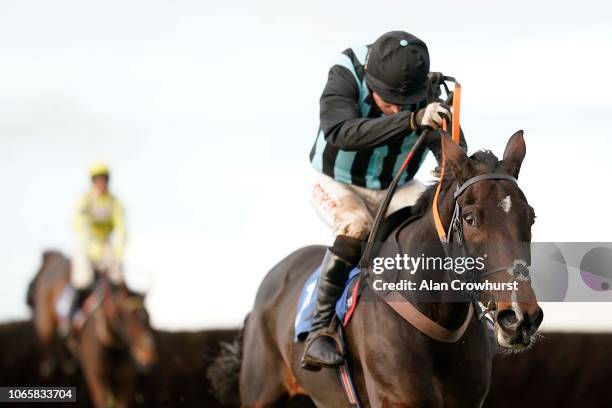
pixel 82 274
pixel 350 210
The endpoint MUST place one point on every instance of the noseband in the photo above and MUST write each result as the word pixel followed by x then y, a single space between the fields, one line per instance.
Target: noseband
pixel 518 270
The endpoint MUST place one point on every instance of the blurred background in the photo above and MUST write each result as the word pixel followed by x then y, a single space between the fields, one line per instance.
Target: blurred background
pixel 206 112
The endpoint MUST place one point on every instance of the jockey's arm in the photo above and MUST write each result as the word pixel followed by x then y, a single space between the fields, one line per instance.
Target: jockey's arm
pixel 342 121
pixel 119 232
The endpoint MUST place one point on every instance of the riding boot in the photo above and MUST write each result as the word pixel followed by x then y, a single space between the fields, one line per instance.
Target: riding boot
pixel 320 350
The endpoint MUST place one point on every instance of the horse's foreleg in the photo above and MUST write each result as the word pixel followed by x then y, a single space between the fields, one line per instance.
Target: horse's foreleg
pixel 98 391
pixel 395 367
pixel 92 364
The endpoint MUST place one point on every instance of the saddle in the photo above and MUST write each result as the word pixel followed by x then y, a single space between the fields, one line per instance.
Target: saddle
pixel 348 300
pixel 86 305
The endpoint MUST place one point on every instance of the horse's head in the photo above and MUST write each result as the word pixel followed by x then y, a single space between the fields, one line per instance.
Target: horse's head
pixel 495 221
pixel 129 320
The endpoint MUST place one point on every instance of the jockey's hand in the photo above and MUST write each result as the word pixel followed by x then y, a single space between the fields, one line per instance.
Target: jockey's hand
pixel 432 115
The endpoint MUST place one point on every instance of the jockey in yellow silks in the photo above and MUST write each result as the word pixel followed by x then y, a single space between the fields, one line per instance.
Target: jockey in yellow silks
pixel 100 226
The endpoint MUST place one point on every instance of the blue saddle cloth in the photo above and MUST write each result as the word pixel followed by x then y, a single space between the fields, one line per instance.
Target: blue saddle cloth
pixel 308 299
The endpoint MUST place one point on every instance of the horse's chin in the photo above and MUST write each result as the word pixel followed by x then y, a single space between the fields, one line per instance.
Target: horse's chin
pixel 515 344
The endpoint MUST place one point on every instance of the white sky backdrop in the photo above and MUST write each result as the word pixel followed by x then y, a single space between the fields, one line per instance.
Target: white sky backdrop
pixel 207 112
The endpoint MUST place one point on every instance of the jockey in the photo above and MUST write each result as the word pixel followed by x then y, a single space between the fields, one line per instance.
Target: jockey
pixel 100 227
pixel 376 101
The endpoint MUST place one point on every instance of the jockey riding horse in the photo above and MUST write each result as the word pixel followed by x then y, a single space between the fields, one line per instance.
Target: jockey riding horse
pixel 100 227
pixel 377 99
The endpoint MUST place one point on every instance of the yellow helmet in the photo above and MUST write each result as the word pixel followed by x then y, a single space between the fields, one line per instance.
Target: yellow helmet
pixel 99 169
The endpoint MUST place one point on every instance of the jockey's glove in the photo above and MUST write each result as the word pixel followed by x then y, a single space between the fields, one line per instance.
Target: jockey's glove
pixel 431 116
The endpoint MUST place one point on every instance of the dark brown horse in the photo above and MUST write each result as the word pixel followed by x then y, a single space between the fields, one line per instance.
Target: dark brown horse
pixel 392 363
pixel 115 341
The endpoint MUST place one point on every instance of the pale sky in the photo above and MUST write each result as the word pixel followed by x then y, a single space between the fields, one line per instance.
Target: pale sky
pixel 207 112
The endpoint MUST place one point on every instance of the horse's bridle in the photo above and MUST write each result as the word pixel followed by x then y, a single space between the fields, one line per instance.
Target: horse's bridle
pixel 518 271
pixel 455 230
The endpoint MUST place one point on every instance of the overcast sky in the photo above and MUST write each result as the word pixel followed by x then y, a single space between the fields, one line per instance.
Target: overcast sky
pixel 207 112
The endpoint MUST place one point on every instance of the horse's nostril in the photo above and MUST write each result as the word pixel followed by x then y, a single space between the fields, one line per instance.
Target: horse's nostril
pixel 508 321
pixel 529 325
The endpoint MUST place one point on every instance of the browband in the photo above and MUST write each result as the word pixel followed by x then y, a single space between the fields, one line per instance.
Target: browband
pixel 488 176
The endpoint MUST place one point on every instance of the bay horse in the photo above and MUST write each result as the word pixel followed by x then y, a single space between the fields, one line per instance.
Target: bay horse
pixel 391 362
pixel 113 345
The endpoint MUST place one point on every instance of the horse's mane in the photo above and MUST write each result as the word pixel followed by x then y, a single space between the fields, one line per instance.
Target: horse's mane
pixel 484 159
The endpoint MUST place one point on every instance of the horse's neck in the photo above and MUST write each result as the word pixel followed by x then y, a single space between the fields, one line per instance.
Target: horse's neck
pixel 424 230
pixel 102 328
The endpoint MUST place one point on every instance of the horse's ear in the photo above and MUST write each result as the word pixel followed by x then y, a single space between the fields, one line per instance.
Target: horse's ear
pixel 456 158
pixel 515 153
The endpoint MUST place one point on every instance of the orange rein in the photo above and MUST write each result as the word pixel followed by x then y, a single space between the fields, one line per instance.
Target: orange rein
pixel 455 129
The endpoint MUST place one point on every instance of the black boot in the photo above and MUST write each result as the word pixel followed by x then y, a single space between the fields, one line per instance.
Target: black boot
pixel 320 348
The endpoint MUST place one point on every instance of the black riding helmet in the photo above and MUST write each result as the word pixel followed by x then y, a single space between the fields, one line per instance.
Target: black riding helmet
pixel 397 68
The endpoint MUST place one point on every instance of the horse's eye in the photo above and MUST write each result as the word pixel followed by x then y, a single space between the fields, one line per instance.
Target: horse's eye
pixel 470 219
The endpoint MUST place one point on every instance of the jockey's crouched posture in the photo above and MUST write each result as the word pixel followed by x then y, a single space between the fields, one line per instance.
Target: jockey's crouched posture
pixel 376 100
pixel 100 227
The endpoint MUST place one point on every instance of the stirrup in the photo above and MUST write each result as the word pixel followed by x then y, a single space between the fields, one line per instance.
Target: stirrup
pixel 313 365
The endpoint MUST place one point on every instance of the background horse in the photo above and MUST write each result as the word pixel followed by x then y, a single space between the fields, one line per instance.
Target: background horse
pixel 114 343
pixel 392 363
